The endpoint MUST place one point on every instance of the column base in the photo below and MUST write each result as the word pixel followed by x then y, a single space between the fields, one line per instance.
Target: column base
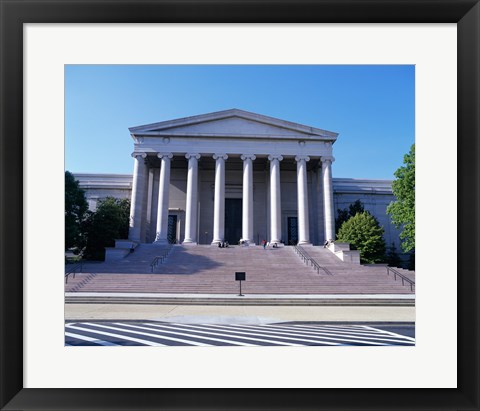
pixel 279 244
pixel 189 242
pixel 304 243
pixel 216 242
pixel 161 241
pixel 246 243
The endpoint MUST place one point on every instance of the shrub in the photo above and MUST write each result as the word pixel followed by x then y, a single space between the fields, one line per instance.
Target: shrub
pixel 364 233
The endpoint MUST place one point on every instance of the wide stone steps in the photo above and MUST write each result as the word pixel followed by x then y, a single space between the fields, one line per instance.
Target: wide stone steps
pixel 210 270
pixel 84 298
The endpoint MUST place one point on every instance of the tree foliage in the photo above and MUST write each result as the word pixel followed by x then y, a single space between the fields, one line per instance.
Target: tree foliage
pixel 346 213
pixel 76 208
pixel 402 211
pixel 109 222
pixel 364 233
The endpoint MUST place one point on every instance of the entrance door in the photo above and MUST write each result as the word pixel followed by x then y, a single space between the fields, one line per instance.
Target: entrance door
pixel 292 230
pixel 172 229
pixel 233 220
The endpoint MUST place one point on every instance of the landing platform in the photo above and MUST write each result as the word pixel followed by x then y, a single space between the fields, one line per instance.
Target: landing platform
pixel 235 299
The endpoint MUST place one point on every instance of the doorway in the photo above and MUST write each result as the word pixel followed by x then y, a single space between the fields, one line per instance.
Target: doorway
pixel 292 224
pixel 233 220
pixel 172 229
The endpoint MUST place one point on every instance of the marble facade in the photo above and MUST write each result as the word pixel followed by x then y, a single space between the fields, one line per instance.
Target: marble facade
pixel 235 175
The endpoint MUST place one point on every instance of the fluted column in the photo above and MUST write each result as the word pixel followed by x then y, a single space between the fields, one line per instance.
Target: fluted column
pixel 219 202
pixel 275 200
pixel 247 201
pixel 328 198
pixel 138 193
pixel 302 197
pixel 163 197
pixel 192 199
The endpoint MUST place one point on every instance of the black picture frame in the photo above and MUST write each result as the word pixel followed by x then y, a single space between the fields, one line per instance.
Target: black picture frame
pixel 14 13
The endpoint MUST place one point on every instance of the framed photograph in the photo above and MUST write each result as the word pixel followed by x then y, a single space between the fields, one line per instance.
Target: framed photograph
pixel 40 38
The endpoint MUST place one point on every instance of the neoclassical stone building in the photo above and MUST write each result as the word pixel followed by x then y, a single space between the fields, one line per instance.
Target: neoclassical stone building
pixel 235 175
pixel 231 176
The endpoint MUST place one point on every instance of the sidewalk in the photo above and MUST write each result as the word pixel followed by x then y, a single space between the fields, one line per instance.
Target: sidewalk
pixel 237 314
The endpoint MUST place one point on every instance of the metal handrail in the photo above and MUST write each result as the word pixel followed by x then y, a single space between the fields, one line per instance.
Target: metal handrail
pixel 73 270
pixel 307 259
pixel 395 273
pixel 160 258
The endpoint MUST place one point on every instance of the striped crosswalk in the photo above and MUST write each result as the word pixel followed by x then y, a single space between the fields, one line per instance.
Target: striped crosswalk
pixel 159 334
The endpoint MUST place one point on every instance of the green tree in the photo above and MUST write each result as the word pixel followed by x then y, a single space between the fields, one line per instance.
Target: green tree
pixel 346 213
pixel 364 233
pixel 402 211
pixel 109 222
pixel 76 208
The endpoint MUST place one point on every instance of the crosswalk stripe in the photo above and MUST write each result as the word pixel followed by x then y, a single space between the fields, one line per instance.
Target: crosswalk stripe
pixel 292 331
pixel 199 344
pixel 320 329
pixel 195 328
pixel 339 329
pixel 138 340
pixel 327 337
pixel 392 333
pixel 201 337
pixel 366 333
pixel 366 336
pixel 357 327
pixel 207 335
pixel 282 335
pixel 140 333
pixel 89 339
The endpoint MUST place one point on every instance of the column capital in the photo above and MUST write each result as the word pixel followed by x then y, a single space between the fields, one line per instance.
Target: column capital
pixel 302 158
pixel 136 154
pixel 192 155
pixel 248 157
pixel 328 159
pixel 275 157
pixel 220 155
pixel 167 155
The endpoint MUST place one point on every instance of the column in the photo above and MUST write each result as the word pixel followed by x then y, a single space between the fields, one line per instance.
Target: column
pixel 247 202
pixel 163 191
pixel 328 198
pixel 275 201
pixel 219 202
pixel 192 199
pixel 148 229
pixel 302 198
pixel 138 191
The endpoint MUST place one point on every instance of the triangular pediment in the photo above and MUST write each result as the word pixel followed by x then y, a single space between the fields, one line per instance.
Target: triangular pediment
pixel 232 123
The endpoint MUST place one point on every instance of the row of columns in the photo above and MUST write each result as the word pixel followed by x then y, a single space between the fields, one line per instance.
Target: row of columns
pixel 138 193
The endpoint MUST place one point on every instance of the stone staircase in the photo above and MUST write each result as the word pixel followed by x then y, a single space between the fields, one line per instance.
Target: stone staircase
pixel 76 283
pixel 356 277
pixel 407 273
pixel 206 269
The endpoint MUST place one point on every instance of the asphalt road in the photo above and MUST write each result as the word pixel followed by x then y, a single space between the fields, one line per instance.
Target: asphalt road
pixel 158 333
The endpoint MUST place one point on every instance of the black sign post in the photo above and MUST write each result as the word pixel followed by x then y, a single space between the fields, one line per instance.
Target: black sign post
pixel 240 276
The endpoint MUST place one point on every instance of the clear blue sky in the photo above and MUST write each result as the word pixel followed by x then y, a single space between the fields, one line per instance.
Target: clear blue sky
pixel 372 107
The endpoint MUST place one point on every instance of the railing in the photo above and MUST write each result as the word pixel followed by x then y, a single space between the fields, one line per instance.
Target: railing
pixel 396 273
pixel 307 259
pixel 73 270
pixel 160 258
